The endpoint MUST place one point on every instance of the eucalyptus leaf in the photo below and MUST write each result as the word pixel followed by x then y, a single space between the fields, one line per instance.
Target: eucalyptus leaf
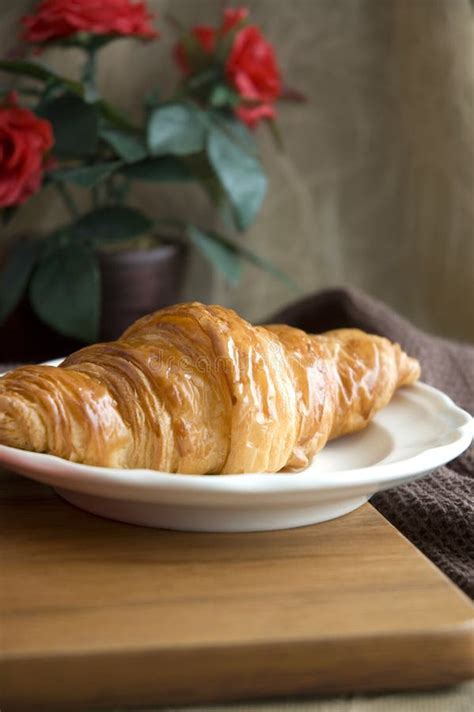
pixel 112 223
pixel 240 173
pixel 177 129
pixel 85 176
pixel 75 125
pixel 15 275
pixel 224 256
pixel 167 168
pixel 65 292
pixel 128 146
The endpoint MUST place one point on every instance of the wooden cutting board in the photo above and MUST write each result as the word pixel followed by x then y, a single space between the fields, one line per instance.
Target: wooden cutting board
pixel 100 614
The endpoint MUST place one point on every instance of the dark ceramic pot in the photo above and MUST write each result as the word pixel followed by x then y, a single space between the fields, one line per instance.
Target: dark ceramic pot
pixel 137 283
pixel 133 284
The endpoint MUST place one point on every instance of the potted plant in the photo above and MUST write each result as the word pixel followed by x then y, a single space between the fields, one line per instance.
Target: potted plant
pixel 107 264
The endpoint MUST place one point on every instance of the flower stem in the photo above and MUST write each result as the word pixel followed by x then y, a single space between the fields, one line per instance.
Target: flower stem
pixel 88 78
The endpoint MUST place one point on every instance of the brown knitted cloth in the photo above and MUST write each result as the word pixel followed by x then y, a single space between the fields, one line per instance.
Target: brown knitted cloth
pixel 437 512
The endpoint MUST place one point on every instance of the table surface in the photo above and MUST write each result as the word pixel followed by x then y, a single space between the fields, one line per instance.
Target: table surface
pixel 100 614
pixel 452 699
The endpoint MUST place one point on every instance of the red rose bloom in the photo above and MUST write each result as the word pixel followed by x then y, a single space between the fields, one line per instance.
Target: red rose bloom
pixel 252 67
pixel 59 19
pixel 24 141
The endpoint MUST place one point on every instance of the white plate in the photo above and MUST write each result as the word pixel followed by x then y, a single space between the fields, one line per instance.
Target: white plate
pixel 418 431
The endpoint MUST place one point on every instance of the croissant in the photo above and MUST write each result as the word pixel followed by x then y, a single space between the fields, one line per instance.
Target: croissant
pixel 197 389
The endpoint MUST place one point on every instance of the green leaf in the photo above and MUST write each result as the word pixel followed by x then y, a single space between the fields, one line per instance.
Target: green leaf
pixel 114 116
pixel 255 260
pixel 235 130
pixel 75 125
pixel 40 72
pixel 240 173
pixel 117 190
pixel 65 292
pixel 269 267
pixel 222 255
pixel 200 81
pixel 85 176
pixel 167 168
pixel 112 223
pixel 178 129
pixel 203 172
pixel 36 70
pixel 62 237
pixel 26 68
pixel 223 95
pixel 15 275
pixel 152 99
pixel 52 89
pixel 128 146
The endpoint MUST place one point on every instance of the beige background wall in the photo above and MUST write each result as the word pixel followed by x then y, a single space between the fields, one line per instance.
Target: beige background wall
pixel 376 185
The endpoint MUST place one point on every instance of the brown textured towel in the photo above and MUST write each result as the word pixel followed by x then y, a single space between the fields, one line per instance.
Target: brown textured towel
pixel 437 512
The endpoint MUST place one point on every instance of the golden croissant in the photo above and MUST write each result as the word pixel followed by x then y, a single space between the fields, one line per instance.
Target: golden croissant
pixel 197 389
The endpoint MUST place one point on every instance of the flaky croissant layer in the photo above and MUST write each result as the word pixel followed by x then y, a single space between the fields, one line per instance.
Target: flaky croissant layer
pixel 197 389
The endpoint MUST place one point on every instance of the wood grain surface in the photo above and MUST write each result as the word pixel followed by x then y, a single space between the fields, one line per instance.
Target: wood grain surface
pixel 96 614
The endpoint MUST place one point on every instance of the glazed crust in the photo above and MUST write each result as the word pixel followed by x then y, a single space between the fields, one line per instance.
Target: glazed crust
pixel 196 389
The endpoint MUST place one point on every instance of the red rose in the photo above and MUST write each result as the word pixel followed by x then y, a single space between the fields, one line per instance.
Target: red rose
pixel 251 115
pixel 252 67
pixel 24 141
pixel 232 17
pixel 58 19
pixel 205 37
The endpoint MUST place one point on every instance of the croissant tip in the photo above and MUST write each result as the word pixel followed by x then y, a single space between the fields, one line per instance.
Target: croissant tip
pixel 410 370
